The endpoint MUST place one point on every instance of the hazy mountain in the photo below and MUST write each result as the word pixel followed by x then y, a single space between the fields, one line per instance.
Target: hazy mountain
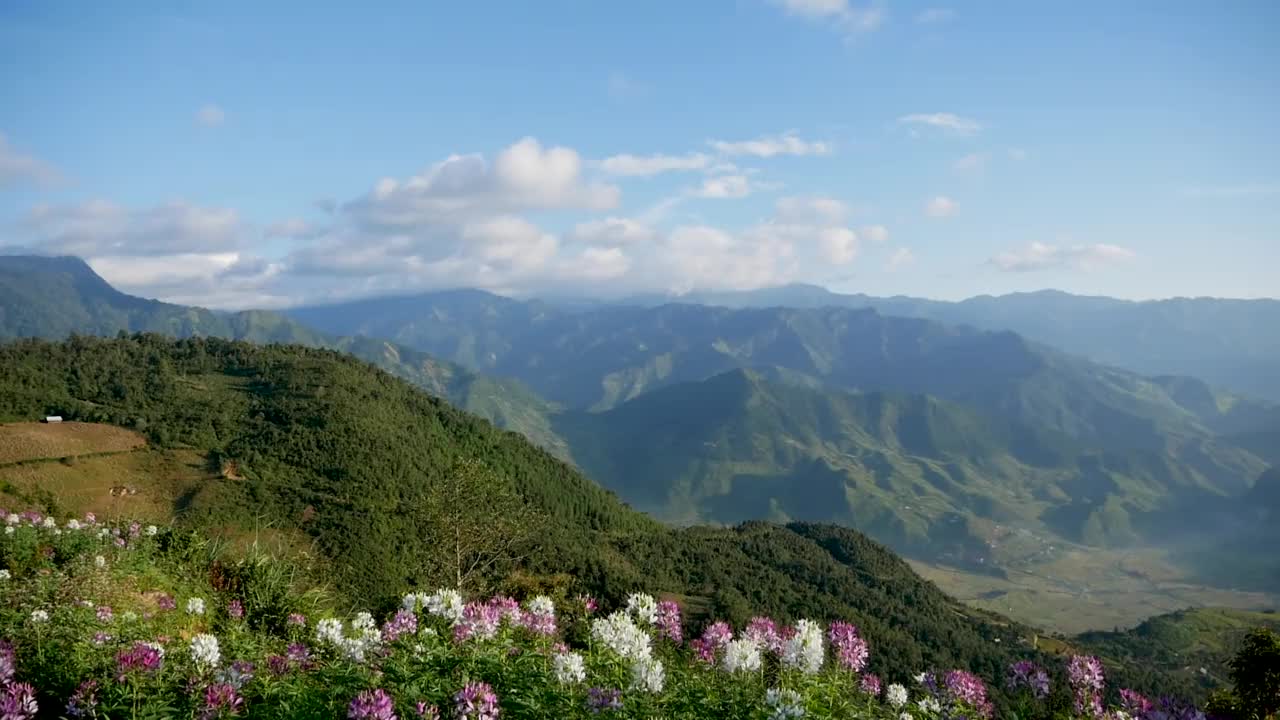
pixel 919 473
pixel 600 358
pixel 1233 344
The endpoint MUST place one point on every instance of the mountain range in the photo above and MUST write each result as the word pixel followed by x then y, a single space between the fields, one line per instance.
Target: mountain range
pixel 935 439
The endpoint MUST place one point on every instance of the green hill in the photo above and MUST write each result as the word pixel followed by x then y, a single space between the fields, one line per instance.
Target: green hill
pixel 335 452
pixel 924 475
pixel 54 297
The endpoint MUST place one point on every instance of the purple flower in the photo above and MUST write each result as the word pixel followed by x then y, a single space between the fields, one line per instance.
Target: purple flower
pixel 871 684
pixel 120 542
pixel 588 603
pixel 476 701
pixel 18 702
pixel 601 699
pixel 104 614
pixel 427 712
pixel 668 621
pixel 8 662
pixel 135 528
pixel 1028 675
pixel 84 700
pixel 1134 703
pixel 235 609
pixel 372 705
pixel 851 650
pixel 166 602
pixel 220 699
pixel 101 638
pixel 965 687
pixel 296 620
pixel 764 631
pixel 297 652
pixel 141 657
pixel 1170 709
pixel 405 622
pixel 1084 672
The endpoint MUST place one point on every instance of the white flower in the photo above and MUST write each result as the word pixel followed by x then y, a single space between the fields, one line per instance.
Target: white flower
pixel 329 632
pixel 742 654
pixel 785 704
pixel 103 533
pixel 12 519
pixel 930 705
pixel 152 530
pixel 195 606
pixel 86 603
pixel 57 531
pixel 99 561
pixel 414 601
pixel 353 649
pixel 8 529
pixel 569 668
pixel 446 603
pixel 921 678
pixel 804 649
pixel 643 607
pixel 49 522
pixel 39 616
pixel 648 674
pixel 204 651
pixel 73 524
pixel 4 574
pixel 363 621
pixel 896 695
pixel 621 635
pixel 542 605
pixel 905 716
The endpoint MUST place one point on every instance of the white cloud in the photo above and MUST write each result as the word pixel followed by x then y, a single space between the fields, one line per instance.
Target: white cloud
pixel 948 122
pixel 1040 256
pixel 878 234
pixel 210 115
pixel 839 245
pixel 941 206
pixel 770 146
pixel 805 209
pixel 840 13
pixel 525 176
pixel 612 231
pixel 930 16
pixel 99 228
pixel 18 168
pixel 900 258
pixel 646 165
pixel 724 187
pixel 291 228
pixel 971 163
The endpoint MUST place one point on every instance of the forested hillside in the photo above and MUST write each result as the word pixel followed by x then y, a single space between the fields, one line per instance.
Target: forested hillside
pixel 331 448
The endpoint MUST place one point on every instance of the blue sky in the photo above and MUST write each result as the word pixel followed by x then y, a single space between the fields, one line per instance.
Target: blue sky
pixel 265 154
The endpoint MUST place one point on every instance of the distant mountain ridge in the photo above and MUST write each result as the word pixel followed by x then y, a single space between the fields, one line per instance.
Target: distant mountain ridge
pixel 1230 343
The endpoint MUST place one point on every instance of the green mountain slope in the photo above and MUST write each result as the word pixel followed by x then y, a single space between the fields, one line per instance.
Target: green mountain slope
pixel 336 451
pixel 597 359
pixel 55 297
pixel 924 475
pixel 1230 343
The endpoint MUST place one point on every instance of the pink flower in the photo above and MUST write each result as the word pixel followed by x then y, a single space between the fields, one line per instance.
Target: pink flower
pixel 372 705
pixel 668 621
pixel 476 701
pixel 764 631
pixel 851 650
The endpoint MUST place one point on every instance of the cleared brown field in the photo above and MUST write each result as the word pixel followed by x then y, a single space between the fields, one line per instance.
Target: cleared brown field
pixel 84 485
pixel 35 441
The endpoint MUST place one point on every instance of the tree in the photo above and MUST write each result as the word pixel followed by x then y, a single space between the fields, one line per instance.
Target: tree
pixel 477 526
pixel 1255 675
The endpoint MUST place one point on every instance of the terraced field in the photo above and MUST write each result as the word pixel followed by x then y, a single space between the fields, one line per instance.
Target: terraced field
pixel 24 442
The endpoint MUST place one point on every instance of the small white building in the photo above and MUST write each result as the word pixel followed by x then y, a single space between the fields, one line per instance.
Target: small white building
pixel 53 418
